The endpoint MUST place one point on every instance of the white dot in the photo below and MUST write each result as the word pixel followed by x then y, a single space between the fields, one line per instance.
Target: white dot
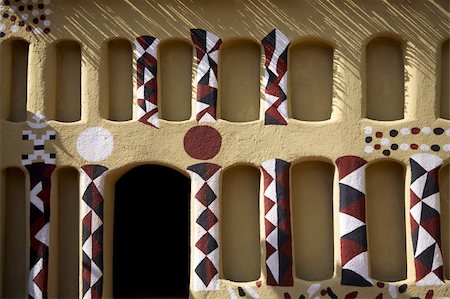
pixel 34 1
pixel 426 130
pixel 14 28
pixel 368 149
pixel 405 131
pixel 447 132
pixel 446 147
pixel 35 12
pixel 1 7
pixel 24 1
pixel 10 10
pixel 424 147
pixel 95 144
pixel 47 23
pixel 2 26
pixel 368 130
pixel 25 16
pixel 404 147
pixel 385 141
pixel 47 11
pixel 13 8
pixel 46 2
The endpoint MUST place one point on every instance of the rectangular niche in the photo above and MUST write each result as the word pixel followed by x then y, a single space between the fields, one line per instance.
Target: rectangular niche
pixel 240 238
pixel 445 68
pixel 312 209
pixel 175 69
pixel 444 188
pixel 385 209
pixel 311 81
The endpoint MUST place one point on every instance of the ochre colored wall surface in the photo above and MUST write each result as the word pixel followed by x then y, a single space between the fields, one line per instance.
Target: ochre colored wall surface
pixel 364 79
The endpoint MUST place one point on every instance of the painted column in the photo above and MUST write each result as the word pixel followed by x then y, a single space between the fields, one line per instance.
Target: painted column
pixel 91 187
pixel 205 256
pixel 147 95
pixel 352 221
pixel 277 222
pixel 207 49
pixel 276 46
pixel 425 219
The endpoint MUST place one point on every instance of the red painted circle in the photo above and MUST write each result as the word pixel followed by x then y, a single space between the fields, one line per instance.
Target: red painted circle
pixel 379 134
pixel 377 146
pixel 415 131
pixel 202 142
pixel 414 146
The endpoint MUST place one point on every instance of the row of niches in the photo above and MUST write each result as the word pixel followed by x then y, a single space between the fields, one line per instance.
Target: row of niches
pixel 311 72
pixel 312 218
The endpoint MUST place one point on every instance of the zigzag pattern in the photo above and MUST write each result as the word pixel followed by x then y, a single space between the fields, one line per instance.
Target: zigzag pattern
pixel 352 221
pixel 207 48
pixel 275 76
pixel 147 95
pixel 40 185
pixel 277 222
pixel 205 187
pixel 425 219
pixel 92 180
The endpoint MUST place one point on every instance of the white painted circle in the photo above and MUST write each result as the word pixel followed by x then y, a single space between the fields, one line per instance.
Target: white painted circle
pixel 24 1
pixel 47 23
pixel 404 147
pixel 2 26
pixel 405 131
pixel 95 144
pixel 47 11
pixel 25 16
pixel 368 130
pixel 424 147
pixel 385 141
pixel 447 132
pixel 446 147
pixel 14 28
pixel 426 130
pixel 35 12
pixel 368 149
pixel 46 2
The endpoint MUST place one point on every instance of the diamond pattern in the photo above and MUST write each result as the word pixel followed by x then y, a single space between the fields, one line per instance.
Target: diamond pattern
pixel 425 219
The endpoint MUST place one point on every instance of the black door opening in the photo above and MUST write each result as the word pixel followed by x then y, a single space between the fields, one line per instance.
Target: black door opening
pixel 151 234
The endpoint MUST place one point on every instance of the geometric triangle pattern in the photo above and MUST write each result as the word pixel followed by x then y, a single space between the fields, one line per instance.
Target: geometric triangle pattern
pixel 275 77
pixel 91 187
pixel 425 219
pixel 207 54
pixel 40 186
pixel 352 221
pixel 205 255
pixel 147 94
pixel 277 222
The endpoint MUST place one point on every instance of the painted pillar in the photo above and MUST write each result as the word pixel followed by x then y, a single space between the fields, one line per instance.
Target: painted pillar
pixel 277 222
pixel 207 50
pixel 425 219
pixel 352 221
pixel 276 46
pixel 91 187
pixel 147 95
pixel 205 256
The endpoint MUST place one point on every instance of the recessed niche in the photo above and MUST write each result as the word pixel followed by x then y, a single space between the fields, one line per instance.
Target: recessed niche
pixel 68 81
pixel 15 256
pixel 120 84
pixel 385 210
pixel 384 79
pixel 239 87
pixel 175 69
pixel 444 188
pixel 445 68
pixel 312 214
pixel 311 81
pixel 240 239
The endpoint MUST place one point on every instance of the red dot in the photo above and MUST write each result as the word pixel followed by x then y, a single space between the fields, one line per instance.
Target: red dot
pixel 323 292
pixel 287 296
pixel 377 146
pixel 13 18
pixel 30 7
pixel 380 284
pixel 28 28
pixel 414 146
pixel 47 30
pixel 202 142
pixel 42 17
pixel 258 283
pixel 379 134
pixel 415 130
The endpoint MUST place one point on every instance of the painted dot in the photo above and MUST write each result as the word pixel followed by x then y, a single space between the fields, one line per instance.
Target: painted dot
pixel 47 23
pixel 446 147
pixel 13 8
pixel 385 141
pixel 387 153
pixel 21 8
pixel 47 11
pixel 415 130
pixel 287 296
pixel 380 284
pixel 426 130
pixel 47 2
pixel 323 292
pixel 447 132
pixel 14 28
pixel 368 139
pixel 25 16
pixel 35 12
pixel 379 296
pixel 35 21
pixel 95 144
pixel 377 146
pixel 6 2
pixel 424 147
pixel 30 7
pixel 368 130
pixel 34 1
pixel 28 28
pixel 438 131
pixel 40 6
pixel 379 134
pixel 402 288
pixel 393 133
pixel 241 292
pixel 42 17
pixel 259 283
pixel 435 148
pixel 302 297
pixel 13 18
pixel 2 34
pixel 202 142
pixel 47 30
pixel 6 15
pixel 2 26
pixel 24 1
pixel 394 146
pixel 405 131
pixel 368 149
pixel 414 146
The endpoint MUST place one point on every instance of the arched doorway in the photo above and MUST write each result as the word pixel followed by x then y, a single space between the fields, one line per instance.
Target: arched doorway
pixel 151 234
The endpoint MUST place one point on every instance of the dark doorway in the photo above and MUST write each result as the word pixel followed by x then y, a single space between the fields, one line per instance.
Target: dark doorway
pixel 151 234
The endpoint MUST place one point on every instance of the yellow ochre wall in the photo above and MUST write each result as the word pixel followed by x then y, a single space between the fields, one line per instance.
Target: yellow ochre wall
pixel 351 65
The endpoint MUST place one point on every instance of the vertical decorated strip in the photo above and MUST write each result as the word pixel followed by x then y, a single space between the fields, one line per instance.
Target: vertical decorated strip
pixel 91 187
pixel 275 77
pixel 146 64
pixel 40 166
pixel 207 48
pixel 277 222
pixel 352 221
pixel 205 189
pixel 425 219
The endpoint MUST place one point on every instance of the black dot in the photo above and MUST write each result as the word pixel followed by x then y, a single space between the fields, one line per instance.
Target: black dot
pixel 393 133
pixel 438 131
pixel 21 8
pixel 40 6
pixel 5 15
pixel 241 292
pixel 435 147
pixel 30 7
pixel 22 23
pixel 35 20
pixel 6 2
pixel 302 296
pixel 386 152
pixel 402 288
pixel 2 34
pixel 394 146
pixel 368 139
